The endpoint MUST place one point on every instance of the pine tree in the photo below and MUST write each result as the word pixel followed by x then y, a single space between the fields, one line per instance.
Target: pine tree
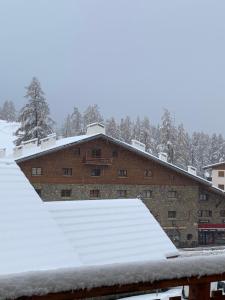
pixel 34 116
pixel 67 127
pixel 167 135
pixel 8 111
pixel 126 130
pixel 91 115
pixel 76 122
pixel 182 147
pixel 112 128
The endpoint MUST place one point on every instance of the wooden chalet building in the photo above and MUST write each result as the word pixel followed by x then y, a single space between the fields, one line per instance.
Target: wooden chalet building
pixel 97 166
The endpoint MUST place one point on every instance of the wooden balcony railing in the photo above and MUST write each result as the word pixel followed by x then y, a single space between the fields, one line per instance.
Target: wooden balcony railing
pixel 97 161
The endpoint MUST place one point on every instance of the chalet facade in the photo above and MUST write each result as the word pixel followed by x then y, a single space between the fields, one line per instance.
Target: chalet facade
pixel 97 166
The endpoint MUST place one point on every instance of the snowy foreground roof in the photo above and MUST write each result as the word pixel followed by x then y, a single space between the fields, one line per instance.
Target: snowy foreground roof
pixel 30 239
pixel 43 241
pixel 112 231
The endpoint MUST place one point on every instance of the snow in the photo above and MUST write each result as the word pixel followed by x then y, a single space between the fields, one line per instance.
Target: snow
pixel 7 130
pixel 30 239
pixel 43 282
pixel 174 292
pixel 112 231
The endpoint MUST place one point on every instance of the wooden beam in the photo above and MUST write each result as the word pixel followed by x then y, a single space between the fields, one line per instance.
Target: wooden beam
pixel 199 291
pixel 127 288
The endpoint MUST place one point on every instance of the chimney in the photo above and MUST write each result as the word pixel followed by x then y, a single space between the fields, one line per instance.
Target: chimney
pixel 48 141
pixel 18 151
pixel 138 145
pixel 2 152
pixel 95 128
pixel 163 156
pixel 30 144
pixel 192 170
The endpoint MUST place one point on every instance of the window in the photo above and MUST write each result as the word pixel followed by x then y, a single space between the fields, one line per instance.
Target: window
pixel 122 173
pixel 203 221
pixel 36 171
pixel 172 194
pixel 122 193
pixel 96 172
pixel 148 173
pixel 114 153
pixel 221 186
pixel 38 191
pixel 96 152
pixel 67 171
pixel 221 173
pixel 203 197
pixel 189 236
pixel 204 213
pixel 172 214
pixel 77 151
pixel 94 193
pixel 66 193
pixel 222 213
pixel 147 194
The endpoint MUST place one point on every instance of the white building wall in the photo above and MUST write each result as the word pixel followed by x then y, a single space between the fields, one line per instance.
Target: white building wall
pixel 216 180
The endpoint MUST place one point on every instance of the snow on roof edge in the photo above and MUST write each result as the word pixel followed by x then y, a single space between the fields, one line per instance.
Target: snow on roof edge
pixel 62 280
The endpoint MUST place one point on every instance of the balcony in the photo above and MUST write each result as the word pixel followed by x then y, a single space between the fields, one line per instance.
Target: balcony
pixel 97 161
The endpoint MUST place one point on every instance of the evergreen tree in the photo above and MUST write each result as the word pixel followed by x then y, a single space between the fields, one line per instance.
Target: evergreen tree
pixel 8 111
pixel 91 115
pixel 76 122
pixel 126 130
pixel 168 135
pixel 112 128
pixel 34 116
pixel 67 127
pixel 182 147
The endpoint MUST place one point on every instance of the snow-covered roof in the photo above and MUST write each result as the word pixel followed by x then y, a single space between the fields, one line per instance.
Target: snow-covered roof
pixel 30 239
pixel 214 165
pixel 112 231
pixel 67 142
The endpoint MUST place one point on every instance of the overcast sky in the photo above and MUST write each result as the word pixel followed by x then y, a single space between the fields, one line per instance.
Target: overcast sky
pixel 131 57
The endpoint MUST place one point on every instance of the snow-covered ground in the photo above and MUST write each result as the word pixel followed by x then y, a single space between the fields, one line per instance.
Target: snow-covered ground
pixel 174 292
pixel 7 130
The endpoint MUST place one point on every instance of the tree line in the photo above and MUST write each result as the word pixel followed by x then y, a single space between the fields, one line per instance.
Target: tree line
pixel 197 149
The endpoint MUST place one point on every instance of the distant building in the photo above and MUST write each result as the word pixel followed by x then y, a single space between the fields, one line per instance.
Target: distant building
pixel 97 166
pixel 216 174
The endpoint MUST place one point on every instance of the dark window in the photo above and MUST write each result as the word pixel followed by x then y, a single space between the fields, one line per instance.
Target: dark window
pixel 94 193
pixel 96 172
pixel 221 173
pixel 66 193
pixel 122 193
pixel 148 173
pixel 221 186
pixel 189 236
pixel 38 191
pixel 147 194
pixel 77 151
pixel 172 214
pixel 172 194
pixel 122 173
pixel 114 153
pixel 96 152
pixel 222 213
pixel 204 213
pixel 67 171
pixel 36 171
pixel 203 197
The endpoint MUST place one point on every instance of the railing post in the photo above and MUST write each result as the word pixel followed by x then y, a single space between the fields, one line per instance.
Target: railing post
pixel 199 291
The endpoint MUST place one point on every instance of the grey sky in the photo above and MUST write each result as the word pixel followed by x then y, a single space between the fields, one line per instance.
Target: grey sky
pixel 131 57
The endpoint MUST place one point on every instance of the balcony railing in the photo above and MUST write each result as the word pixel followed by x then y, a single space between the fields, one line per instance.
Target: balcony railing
pixel 97 161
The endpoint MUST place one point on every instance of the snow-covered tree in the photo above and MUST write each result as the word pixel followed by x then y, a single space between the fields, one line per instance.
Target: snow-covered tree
pixel 126 129
pixel 182 147
pixel 34 116
pixel 8 111
pixel 167 135
pixel 91 115
pixel 146 134
pixel 112 128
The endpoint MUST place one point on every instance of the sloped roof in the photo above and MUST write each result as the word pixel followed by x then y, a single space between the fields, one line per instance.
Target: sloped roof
pixel 30 239
pixel 111 231
pixel 70 141
pixel 214 165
